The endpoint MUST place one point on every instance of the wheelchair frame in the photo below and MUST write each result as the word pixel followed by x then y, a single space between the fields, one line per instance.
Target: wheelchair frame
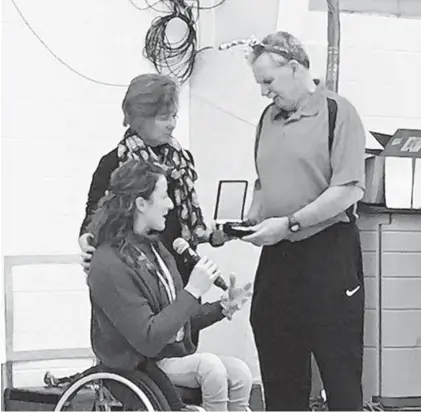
pixel 73 388
pixel 148 393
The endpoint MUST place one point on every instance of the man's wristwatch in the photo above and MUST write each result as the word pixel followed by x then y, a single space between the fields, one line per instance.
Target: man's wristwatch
pixel 293 224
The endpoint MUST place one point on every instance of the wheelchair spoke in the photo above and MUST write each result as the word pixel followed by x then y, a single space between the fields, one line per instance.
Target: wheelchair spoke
pixel 104 391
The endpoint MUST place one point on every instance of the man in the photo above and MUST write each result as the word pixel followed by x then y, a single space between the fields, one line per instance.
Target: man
pixel 309 292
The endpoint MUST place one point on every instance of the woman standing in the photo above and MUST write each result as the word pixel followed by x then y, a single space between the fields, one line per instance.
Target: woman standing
pixel 150 110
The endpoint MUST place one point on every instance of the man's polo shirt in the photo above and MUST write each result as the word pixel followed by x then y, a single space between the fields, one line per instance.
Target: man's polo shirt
pixel 293 161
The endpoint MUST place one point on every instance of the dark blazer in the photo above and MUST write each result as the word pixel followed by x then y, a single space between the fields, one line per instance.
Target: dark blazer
pixel 132 318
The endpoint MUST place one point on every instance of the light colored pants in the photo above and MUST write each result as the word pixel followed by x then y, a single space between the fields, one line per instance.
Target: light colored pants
pixel 225 381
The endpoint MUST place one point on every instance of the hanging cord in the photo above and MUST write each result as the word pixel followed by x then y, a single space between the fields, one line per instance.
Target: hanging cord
pixel 174 58
pixel 170 4
pixel 209 7
pixel 151 5
pixel 57 57
pixel 177 59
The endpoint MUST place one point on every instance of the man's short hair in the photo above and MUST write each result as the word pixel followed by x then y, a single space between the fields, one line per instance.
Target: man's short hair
pixel 281 44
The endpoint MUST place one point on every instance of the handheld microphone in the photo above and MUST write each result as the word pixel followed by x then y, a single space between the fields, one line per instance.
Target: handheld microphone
pixel 182 248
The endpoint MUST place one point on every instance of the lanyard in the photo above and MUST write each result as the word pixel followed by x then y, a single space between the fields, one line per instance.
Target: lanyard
pixel 168 282
pixel 165 277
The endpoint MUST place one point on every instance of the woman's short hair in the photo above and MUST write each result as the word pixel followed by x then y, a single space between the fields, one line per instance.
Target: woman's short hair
pixel 150 95
pixel 283 47
pixel 113 220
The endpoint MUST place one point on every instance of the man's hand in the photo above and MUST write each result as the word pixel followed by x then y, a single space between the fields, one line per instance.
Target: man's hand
pixel 235 298
pixel 269 232
pixel 217 237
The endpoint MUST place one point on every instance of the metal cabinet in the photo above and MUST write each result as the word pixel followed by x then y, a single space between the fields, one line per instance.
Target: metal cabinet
pixel 391 243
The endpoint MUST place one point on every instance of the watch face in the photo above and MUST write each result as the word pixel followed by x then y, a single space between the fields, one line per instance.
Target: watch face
pixel 294 227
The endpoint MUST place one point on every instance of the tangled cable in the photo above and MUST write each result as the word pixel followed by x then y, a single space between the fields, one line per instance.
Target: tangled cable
pixel 175 58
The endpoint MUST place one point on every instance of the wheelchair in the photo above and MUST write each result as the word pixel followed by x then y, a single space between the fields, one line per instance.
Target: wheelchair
pixel 103 389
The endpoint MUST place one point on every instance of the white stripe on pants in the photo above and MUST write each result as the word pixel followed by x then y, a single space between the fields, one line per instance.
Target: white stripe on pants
pixel 225 381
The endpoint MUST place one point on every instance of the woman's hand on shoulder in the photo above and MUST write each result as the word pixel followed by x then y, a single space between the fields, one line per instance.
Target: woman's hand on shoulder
pixel 85 244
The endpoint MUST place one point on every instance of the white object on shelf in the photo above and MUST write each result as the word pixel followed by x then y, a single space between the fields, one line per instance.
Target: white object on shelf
pixel 416 202
pixel 398 182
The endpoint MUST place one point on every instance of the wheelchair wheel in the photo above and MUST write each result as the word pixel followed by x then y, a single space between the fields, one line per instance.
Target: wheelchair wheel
pixel 110 391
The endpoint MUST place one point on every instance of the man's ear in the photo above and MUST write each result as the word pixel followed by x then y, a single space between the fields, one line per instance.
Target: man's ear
pixel 296 67
pixel 140 204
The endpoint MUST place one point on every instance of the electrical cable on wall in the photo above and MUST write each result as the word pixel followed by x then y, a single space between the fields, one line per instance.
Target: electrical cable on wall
pixel 177 58
pixel 57 57
pixel 149 6
pixel 174 58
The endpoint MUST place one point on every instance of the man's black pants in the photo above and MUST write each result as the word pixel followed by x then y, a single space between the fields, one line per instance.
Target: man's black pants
pixel 309 297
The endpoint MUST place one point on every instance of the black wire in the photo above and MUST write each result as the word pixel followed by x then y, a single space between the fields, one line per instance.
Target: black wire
pixel 211 7
pixel 178 59
pixel 152 6
pixel 175 58
pixel 143 8
pixel 58 58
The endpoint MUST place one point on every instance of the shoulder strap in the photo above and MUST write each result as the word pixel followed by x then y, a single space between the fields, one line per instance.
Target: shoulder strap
pixel 332 108
pixel 258 130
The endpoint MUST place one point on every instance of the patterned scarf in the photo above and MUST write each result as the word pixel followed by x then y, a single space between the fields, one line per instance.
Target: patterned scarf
pixel 180 171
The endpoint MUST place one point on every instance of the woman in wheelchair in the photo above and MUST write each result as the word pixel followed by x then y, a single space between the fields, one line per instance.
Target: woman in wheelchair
pixel 140 310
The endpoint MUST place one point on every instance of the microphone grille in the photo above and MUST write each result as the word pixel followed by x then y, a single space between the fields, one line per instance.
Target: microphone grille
pixel 180 245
